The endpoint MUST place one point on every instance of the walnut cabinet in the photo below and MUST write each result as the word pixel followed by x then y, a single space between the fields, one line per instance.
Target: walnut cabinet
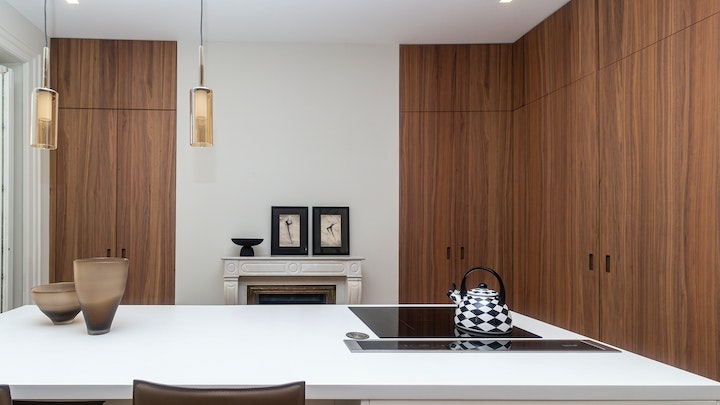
pixel 455 128
pixel 113 175
pixel 614 175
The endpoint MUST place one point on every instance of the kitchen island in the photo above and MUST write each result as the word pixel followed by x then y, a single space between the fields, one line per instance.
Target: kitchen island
pixel 273 344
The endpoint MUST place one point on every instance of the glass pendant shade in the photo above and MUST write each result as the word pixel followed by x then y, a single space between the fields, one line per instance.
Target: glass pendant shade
pixel 201 117
pixel 44 130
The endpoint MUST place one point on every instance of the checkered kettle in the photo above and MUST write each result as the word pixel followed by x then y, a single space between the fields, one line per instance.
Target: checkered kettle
pixel 481 310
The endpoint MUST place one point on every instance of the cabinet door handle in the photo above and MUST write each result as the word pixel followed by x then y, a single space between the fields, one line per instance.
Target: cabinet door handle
pixel 123 253
pixel 590 263
pixel 108 253
pixel 448 253
pixel 607 264
pixel 462 252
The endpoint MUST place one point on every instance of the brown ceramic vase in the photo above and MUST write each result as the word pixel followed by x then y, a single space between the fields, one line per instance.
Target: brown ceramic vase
pixel 100 285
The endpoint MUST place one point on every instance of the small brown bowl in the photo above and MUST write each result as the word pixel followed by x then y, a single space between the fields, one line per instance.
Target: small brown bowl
pixel 58 301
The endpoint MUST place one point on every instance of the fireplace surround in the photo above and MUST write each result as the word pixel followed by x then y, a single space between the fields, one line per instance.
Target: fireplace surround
pixel 335 279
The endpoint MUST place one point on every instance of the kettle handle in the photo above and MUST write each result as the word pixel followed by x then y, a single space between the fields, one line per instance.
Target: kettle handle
pixel 463 290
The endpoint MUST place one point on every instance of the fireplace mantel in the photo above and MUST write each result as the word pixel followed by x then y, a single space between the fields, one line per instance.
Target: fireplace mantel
pixel 344 272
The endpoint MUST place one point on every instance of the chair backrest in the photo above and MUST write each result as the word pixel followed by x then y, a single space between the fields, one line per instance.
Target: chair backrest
pixel 5 395
pixel 149 393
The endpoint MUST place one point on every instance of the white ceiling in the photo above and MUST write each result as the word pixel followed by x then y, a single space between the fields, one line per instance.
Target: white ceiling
pixel 314 21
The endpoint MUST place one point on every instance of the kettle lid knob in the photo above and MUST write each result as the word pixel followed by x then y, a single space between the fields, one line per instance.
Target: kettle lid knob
pixel 482 290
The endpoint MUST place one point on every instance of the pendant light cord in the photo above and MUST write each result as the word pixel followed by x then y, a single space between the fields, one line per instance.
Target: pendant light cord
pixel 201 22
pixel 45 26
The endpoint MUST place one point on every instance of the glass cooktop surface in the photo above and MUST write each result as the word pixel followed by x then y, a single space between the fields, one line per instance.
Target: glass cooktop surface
pixel 418 322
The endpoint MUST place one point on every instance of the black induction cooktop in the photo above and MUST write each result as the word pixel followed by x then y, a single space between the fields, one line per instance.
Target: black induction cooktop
pixel 418 322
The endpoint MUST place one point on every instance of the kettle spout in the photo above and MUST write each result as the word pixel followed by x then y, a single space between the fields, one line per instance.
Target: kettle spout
pixel 453 294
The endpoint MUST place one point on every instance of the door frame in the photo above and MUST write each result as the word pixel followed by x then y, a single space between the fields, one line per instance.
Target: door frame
pixel 30 168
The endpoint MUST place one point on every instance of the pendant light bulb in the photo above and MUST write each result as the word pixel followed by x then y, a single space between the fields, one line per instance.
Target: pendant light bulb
pixel 44 126
pixel 44 129
pixel 201 104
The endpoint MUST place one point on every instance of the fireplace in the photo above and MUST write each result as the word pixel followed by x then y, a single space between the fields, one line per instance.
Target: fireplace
pixel 292 279
pixel 290 294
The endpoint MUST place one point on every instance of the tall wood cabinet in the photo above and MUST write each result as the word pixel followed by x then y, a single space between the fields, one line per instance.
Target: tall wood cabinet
pixel 627 253
pixel 455 166
pixel 615 166
pixel 113 174
pixel 660 199
pixel 556 172
pixel 555 208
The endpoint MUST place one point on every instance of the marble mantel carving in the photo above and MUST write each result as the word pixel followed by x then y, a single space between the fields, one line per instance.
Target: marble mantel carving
pixel 344 272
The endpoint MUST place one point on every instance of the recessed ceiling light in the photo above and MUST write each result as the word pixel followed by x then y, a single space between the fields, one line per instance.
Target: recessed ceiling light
pixel 505 1
pixel 78 2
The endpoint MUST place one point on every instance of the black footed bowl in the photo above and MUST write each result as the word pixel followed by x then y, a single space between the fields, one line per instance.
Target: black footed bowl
pixel 247 244
pixel 246 241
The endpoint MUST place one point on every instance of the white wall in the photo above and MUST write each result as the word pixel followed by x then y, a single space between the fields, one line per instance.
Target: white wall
pixel 295 125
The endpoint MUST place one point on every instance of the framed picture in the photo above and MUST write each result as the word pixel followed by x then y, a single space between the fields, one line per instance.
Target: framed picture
pixel 331 230
pixel 289 231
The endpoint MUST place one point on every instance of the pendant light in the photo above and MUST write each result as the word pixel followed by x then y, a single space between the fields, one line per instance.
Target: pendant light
pixel 44 128
pixel 201 104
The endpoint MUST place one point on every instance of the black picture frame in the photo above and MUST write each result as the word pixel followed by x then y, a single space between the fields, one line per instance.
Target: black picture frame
pixel 289 231
pixel 331 231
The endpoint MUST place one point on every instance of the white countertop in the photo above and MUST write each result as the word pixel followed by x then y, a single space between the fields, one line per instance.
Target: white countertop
pixel 268 344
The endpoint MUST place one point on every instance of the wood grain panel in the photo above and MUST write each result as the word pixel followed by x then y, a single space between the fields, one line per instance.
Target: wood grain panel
pixel 637 169
pixel 518 74
pixel 556 207
pixel 456 77
pixel 487 195
pixel 147 74
pixel 83 189
pixel 522 227
pixel 454 190
pixel 426 214
pixel 660 167
pixel 452 84
pixel 560 50
pixel 461 179
pixel 490 77
pixel 626 26
pixel 696 196
pixel 147 204
pixel 418 78
pixel 84 72
pixel 416 250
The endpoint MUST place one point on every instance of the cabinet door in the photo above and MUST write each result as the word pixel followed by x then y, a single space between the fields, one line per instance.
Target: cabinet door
pixel 147 75
pixel 84 72
pixel 661 202
pixel 434 78
pixel 427 206
pixel 555 209
pixel 455 176
pixel 146 204
pixel 83 189
pixel 485 196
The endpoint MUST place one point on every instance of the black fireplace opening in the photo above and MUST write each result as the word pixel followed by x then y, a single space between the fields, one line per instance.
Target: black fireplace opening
pixel 290 294
pixel 275 299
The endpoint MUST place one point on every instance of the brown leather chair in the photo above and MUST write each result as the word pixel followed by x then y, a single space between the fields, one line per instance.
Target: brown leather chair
pixel 148 393
pixel 5 395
